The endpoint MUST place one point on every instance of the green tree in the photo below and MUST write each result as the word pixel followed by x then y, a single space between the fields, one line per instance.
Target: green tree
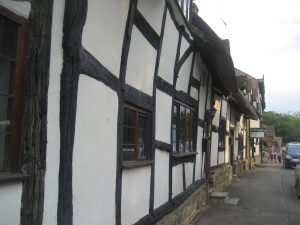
pixel 286 126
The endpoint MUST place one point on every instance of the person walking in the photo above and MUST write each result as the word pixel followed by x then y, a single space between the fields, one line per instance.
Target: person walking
pixel 279 155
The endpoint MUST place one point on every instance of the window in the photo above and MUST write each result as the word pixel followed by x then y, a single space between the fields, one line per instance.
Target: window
pixel 184 126
pixel 12 41
pixel 136 136
pixel 222 134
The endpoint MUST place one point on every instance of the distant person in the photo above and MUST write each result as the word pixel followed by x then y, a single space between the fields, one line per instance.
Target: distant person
pixel 271 153
pixel 279 155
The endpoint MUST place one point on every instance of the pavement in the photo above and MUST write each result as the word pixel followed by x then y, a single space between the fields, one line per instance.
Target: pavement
pixel 266 196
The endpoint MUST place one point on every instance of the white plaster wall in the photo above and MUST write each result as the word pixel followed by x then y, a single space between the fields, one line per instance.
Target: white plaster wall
pixel 153 12
pixel 20 8
pixel 53 128
pixel 194 93
pixel 199 155
pixel 141 63
pixel 184 75
pixel 198 64
pixel 161 185
pixel 202 99
pixel 10 203
pixel 221 157
pixel 218 102
pixel 100 37
pixel 184 46
pixel 254 123
pixel 214 149
pixel 189 168
pixel 224 108
pixel 135 194
pixel 163 116
pixel 209 94
pixel 227 152
pixel 177 180
pixel 168 52
pixel 94 154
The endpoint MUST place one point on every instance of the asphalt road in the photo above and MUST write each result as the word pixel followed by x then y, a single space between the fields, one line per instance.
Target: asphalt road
pixel 267 196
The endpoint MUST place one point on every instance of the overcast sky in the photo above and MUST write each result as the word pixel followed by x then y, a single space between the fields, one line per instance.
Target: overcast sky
pixel 264 40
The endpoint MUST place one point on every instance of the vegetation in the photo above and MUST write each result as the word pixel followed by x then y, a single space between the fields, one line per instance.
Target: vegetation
pixel 286 126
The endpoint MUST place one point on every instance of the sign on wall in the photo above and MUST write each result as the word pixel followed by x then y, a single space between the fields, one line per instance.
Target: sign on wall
pixel 257 132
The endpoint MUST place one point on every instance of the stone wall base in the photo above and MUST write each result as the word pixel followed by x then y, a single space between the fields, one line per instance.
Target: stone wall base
pixel 220 178
pixel 186 213
pixel 257 159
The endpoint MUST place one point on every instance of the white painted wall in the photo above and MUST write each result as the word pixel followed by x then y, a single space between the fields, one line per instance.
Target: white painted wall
pixel 53 128
pixel 94 154
pixel 20 8
pixel 10 203
pixel 102 40
pixel 194 93
pixel 188 173
pixel 224 108
pixel 214 149
pixel 135 194
pixel 221 157
pixel 198 65
pixel 141 63
pixel 153 12
pixel 184 46
pixel 218 104
pixel 161 185
pixel 163 116
pixel 209 94
pixel 202 99
pixel 177 182
pixel 227 152
pixel 184 75
pixel 168 52
pixel 199 155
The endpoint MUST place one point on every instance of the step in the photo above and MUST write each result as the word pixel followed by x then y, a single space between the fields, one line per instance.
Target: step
pixel 218 196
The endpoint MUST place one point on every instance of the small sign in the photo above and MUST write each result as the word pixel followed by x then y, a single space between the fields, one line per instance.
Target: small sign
pixel 257 132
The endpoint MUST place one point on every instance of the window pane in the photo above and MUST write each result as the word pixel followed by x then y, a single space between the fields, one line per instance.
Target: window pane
pixel 182 129
pixel 174 127
pixel 128 135
pixel 4 142
pixel 142 137
pixel 5 76
pixel 9 32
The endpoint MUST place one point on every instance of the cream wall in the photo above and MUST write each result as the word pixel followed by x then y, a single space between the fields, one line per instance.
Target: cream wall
pixel 168 52
pixel 198 166
pixel 10 203
pixel 141 63
pixel 102 40
pixel 135 194
pixel 177 180
pixel 94 154
pixel 161 185
pixel 214 149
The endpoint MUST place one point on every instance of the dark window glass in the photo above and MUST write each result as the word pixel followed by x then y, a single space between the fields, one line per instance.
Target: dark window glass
pixel 222 133
pixel 8 43
pixel 183 128
pixel 136 143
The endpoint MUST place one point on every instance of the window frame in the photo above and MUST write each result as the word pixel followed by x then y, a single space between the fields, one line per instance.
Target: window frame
pixel 222 134
pixel 177 153
pixel 18 74
pixel 136 162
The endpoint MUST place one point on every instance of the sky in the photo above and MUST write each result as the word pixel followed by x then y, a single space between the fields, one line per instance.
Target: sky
pixel 264 40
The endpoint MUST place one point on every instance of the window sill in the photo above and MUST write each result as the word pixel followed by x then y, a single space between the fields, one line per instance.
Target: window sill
pixel 221 148
pixel 179 158
pixel 183 155
pixel 6 177
pixel 136 164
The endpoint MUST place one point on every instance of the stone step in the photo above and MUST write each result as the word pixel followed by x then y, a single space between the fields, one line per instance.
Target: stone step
pixel 218 196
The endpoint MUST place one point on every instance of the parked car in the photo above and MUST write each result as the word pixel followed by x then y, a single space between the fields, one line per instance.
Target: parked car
pixel 291 155
pixel 297 183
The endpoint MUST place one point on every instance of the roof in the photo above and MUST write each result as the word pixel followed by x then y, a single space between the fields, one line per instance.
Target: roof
pixel 215 55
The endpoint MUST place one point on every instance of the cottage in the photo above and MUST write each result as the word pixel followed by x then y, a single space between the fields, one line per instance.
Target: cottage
pixel 112 112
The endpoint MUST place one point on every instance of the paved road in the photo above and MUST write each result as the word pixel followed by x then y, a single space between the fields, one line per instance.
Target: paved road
pixel 267 196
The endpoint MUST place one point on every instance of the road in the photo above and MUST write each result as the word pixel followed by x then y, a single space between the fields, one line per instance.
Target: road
pixel 267 196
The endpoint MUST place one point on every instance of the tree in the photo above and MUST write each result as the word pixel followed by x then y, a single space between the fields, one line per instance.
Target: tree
pixel 286 126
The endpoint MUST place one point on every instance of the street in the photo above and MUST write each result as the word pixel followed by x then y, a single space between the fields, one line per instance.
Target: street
pixel 267 196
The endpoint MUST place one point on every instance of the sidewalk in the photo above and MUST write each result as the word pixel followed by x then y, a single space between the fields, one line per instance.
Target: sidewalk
pixel 267 196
